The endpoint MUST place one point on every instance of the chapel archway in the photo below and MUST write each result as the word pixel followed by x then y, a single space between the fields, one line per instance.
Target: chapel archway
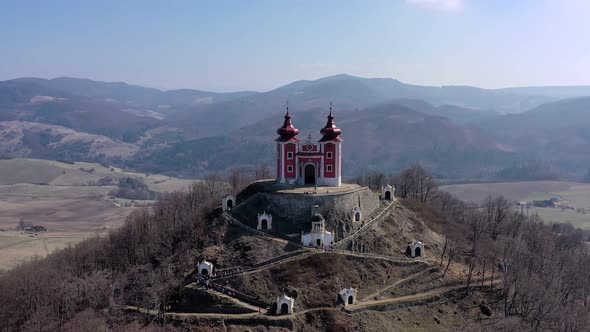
pixel 309 172
pixel 204 272
pixel 284 308
pixel 264 224
pixel 230 204
pixel 388 195
pixel 350 299
pixel 417 252
pixel 357 216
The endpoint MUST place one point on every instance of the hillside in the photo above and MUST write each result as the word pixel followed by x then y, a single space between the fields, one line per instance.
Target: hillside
pixel 177 131
pixel 144 273
pixel 386 137
pixel 557 132
pixel 37 140
pixel 351 93
pixel 128 94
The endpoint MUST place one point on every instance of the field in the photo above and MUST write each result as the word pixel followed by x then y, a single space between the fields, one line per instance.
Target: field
pixel 65 199
pixel 574 195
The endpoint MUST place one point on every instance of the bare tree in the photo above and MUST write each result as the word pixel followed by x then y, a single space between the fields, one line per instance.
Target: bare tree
pixel 453 249
pixel 417 183
pixel 262 172
pixel 497 210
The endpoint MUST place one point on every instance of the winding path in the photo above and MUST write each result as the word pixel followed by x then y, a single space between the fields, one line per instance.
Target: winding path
pixel 397 283
pixel 305 252
pixel 421 296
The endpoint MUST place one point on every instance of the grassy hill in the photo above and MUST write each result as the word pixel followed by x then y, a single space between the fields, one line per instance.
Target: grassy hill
pixel 38 171
pixel 31 139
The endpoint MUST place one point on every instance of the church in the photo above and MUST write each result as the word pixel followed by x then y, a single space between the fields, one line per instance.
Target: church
pixel 308 163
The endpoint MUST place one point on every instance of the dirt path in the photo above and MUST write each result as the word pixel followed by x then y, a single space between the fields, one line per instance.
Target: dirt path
pixel 269 264
pixel 369 223
pixel 225 296
pixel 304 254
pixel 395 284
pixel 284 241
pixel 429 294
pixel 261 233
pixel 435 292
pixel 376 256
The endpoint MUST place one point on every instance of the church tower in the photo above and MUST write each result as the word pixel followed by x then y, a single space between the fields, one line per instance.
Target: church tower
pixel 286 151
pixel 332 152
pixel 308 163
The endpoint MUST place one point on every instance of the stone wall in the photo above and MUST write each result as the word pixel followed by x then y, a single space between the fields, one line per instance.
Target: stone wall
pixel 292 212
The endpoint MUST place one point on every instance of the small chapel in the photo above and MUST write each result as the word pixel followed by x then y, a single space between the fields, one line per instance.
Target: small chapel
pixel 308 163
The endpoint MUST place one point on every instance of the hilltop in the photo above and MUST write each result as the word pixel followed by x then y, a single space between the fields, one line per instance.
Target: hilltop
pixel 150 271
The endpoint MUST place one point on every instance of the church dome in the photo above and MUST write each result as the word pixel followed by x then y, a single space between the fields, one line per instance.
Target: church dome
pixel 287 132
pixel 330 132
pixel 317 217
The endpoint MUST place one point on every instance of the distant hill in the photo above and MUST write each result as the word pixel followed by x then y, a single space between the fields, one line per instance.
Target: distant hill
pixel 551 91
pixel 558 132
pixel 388 137
pixel 350 93
pixel 131 95
pixel 192 132
pixel 36 140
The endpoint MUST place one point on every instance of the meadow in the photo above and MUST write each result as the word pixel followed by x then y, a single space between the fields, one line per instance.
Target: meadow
pixel 67 200
pixel 573 194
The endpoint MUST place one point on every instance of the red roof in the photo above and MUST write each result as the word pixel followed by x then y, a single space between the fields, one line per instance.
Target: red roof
pixel 330 132
pixel 287 132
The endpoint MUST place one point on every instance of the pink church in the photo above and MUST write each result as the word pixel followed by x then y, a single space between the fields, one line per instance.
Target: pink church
pixel 309 163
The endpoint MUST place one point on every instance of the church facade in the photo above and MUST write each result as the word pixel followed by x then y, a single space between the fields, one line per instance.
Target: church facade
pixel 308 163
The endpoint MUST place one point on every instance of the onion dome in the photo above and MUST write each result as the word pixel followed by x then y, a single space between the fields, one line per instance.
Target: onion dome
pixel 317 217
pixel 330 132
pixel 287 132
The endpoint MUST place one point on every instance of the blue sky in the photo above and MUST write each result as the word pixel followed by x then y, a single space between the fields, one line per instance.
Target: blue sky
pixel 259 45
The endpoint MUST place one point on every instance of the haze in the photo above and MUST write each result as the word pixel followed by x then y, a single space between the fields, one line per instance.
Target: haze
pixel 247 45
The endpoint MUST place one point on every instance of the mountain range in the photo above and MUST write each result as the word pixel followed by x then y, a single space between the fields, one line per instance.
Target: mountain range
pixel 458 131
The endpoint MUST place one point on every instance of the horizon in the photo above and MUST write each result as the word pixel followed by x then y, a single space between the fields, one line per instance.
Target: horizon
pixel 277 87
pixel 235 46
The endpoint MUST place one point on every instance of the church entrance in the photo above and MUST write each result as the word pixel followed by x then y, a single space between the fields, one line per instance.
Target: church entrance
pixel 388 195
pixel 417 252
pixel 264 224
pixel 350 299
pixel 230 204
pixel 204 272
pixel 309 174
pixel 284 308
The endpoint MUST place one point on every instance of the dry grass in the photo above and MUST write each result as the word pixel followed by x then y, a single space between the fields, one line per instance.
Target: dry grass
pixel 38 171
pixel 575 195
pixel 391 235
pixel 68 221
pixel 63 198
pixel 514 191
pixel 317 279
